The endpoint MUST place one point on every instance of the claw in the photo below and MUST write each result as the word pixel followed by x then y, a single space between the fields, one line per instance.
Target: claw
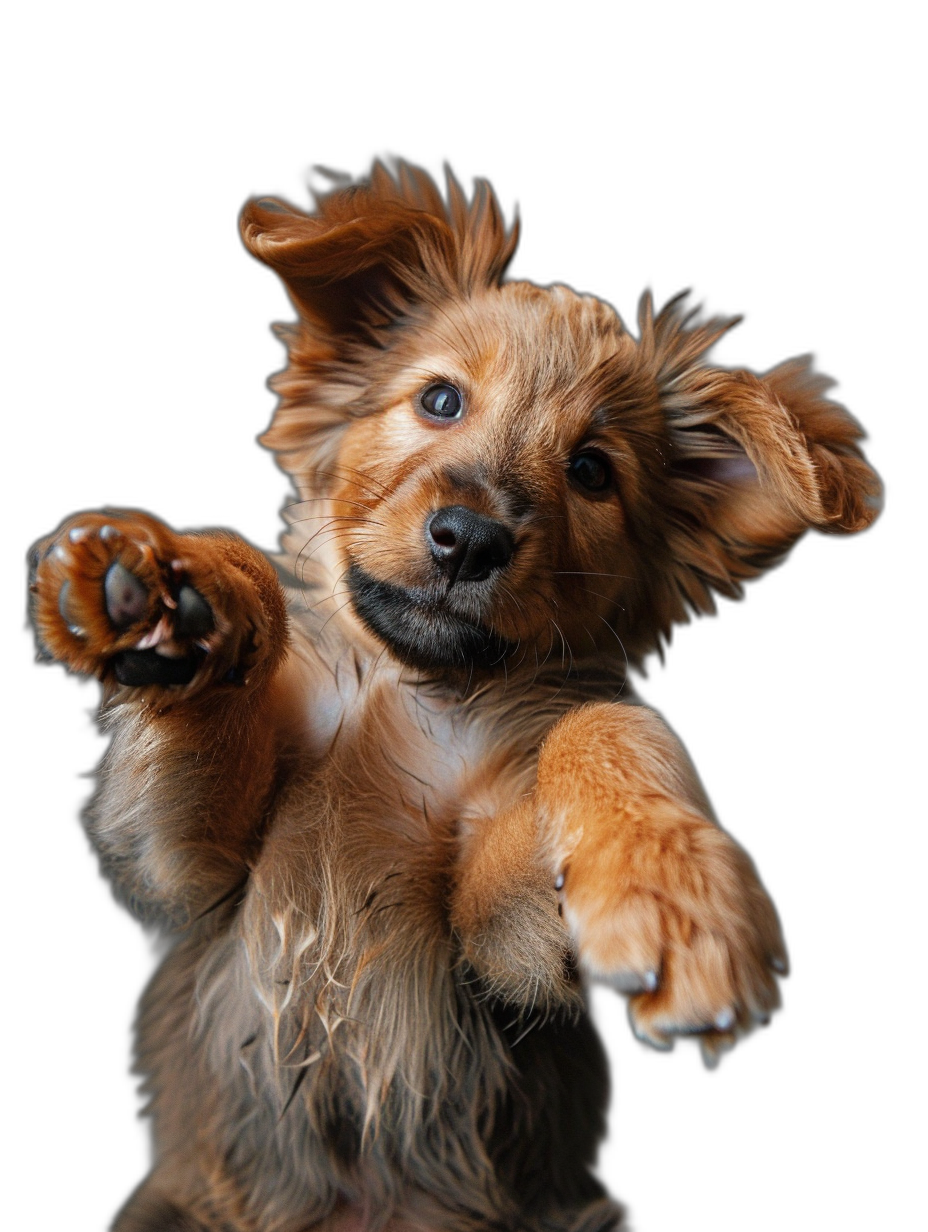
pixel 64 608
pixel 154 637
pixel 66 611
pixel 633 981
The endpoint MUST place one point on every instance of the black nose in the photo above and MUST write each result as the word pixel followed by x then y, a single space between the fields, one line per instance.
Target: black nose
pixel 466 545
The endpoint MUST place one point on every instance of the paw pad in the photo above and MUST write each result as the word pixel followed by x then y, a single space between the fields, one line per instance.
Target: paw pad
pixel 141 667
pixel 126 596
pixel 113 598
pixel 194 616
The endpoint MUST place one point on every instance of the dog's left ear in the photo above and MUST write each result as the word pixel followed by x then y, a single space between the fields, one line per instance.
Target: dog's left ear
pixel 755 459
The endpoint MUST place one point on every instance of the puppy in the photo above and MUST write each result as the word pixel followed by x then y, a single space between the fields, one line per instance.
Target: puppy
pixel 391 794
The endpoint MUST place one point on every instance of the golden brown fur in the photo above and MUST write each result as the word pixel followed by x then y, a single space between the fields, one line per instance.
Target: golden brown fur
pixel 396 800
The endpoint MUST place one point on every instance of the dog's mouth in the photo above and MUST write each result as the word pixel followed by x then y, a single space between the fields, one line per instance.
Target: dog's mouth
pixel 421 628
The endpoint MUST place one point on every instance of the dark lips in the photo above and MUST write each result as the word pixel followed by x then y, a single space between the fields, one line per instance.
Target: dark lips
pixel 420 631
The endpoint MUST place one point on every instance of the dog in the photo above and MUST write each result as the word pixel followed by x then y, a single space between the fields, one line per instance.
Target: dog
pixel 390 793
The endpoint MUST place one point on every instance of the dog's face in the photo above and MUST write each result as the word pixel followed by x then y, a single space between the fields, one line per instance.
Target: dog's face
pixel 512 476
pixel 496 474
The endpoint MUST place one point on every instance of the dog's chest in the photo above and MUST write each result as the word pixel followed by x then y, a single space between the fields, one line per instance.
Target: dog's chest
pixel 402 756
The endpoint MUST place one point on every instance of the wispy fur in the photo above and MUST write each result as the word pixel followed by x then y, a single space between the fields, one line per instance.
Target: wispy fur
pixel 385 882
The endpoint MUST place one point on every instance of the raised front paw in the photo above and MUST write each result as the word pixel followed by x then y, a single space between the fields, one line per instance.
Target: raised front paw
pixel 669 909
pixel 120 596
pixel 662 904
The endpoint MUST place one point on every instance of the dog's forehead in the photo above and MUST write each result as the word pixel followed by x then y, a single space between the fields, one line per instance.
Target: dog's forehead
pixel 519 345
pixel 550 331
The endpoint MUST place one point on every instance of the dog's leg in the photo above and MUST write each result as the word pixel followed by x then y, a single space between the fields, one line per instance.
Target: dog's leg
pixel 660 901
pixel 616 855
pixel 505 914
pixel 149 1211
pixel 185 632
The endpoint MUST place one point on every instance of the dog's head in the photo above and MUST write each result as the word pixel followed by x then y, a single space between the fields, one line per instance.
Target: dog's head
pixel 511 473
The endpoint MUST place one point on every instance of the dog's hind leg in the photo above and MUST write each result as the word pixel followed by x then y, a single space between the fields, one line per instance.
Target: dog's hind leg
pixel 550 1125
pixel 148 1210
pixel 602 1216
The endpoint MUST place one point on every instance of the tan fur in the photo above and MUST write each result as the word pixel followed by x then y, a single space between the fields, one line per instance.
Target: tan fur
pixel 388 863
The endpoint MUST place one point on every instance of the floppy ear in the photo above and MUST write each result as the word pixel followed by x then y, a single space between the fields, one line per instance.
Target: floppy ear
pixel 755 459
pixel 370 251
pixel 367 256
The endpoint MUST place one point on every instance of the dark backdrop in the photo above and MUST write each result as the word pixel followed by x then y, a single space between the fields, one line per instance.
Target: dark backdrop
pixel 146 349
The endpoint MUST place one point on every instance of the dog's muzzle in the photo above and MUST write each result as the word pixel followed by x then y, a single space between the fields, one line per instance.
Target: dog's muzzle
pixel 438 625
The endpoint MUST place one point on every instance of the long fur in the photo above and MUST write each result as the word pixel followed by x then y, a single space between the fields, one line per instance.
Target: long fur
pixel 393 816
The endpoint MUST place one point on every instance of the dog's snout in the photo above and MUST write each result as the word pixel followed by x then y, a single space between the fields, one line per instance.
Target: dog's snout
pixel 466 545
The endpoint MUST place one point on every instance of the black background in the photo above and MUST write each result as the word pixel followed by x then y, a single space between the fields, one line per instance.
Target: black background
pixel 144 350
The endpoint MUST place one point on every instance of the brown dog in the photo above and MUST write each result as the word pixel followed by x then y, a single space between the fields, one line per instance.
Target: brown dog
pixel 393 796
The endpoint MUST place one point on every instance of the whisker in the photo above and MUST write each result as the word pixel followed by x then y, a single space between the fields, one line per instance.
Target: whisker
pixel 331 535
pixel 335 500
pixel 599 595
pixel 588 573
pixel 334 614
pixel 385 489
pixel 333 517
pixel 336 594
pixel 615 634
pixel 563 639
pixel 328 526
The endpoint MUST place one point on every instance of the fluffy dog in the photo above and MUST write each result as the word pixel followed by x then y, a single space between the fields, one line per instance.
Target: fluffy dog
pixel 392 795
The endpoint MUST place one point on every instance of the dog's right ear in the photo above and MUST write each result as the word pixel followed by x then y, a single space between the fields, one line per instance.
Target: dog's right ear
pixel 372 251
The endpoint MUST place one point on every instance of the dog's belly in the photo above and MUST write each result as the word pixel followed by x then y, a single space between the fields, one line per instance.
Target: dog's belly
pixel 347 1059
pixel 392 1092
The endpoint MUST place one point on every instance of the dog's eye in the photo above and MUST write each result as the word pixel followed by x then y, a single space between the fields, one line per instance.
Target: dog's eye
pixel 590 470
pixel 442 401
